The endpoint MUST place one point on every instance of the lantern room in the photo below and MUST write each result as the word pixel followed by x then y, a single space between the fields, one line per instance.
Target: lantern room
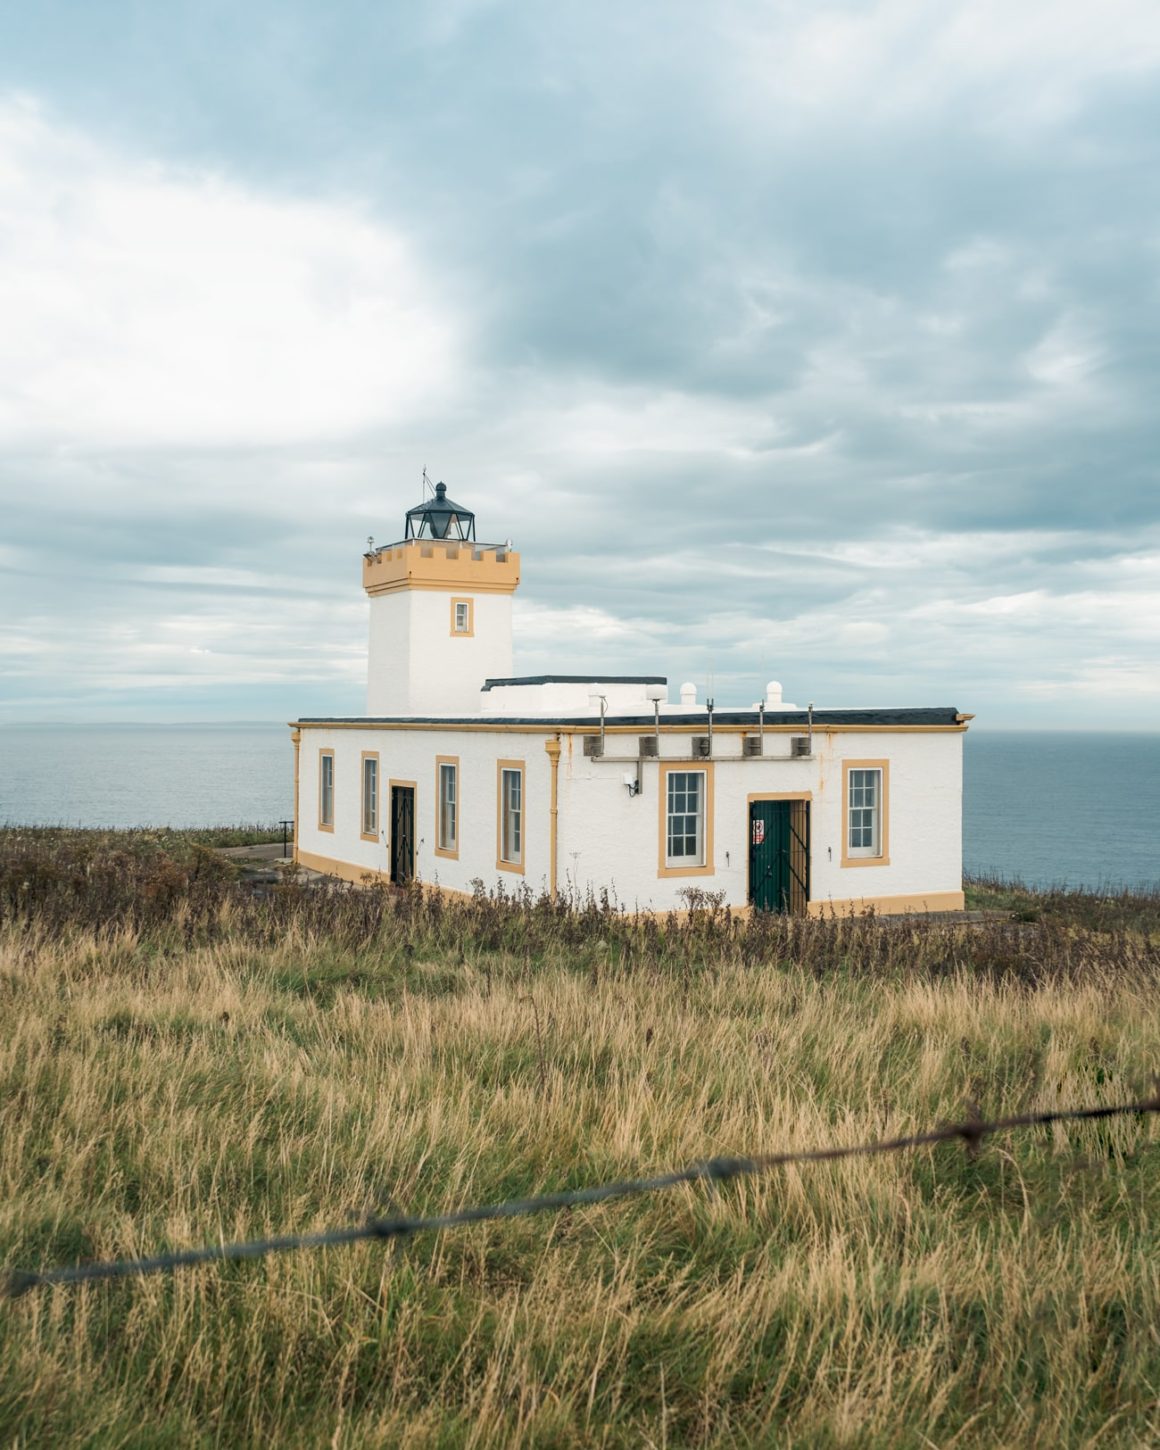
pixel 440 518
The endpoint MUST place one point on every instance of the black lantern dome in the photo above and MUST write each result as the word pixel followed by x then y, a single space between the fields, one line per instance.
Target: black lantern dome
pixel 440 518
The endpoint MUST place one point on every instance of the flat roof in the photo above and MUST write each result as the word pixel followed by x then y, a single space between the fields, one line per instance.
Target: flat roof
pixel 577 680
pixel 945 715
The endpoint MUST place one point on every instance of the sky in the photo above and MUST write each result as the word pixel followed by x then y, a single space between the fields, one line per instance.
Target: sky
pixel 814 342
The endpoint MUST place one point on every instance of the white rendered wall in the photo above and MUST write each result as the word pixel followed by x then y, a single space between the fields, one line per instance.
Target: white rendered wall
pixel 407 756
pixel 417 666
pixel 609 839
pixel 564 697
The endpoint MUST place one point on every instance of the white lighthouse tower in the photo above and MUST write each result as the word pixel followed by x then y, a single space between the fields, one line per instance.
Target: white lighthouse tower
pixel 440 614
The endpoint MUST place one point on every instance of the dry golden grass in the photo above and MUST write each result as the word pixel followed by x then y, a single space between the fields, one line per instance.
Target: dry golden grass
pixel 158 1090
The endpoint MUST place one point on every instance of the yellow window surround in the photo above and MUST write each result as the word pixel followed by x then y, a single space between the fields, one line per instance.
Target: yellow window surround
pixel 707 867
pixel 883 856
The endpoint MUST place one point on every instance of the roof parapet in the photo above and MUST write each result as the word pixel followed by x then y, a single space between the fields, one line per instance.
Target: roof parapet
pixel 441 564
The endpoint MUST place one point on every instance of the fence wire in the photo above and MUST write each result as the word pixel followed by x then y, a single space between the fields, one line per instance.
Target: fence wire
pixel 712 1170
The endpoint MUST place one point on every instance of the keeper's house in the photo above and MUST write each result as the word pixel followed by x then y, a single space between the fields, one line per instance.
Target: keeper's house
pixel 460 773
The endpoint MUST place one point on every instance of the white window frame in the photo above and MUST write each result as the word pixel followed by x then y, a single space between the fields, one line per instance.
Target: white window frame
pixel 685 859
pixel 510 826
pixel 370 798
pixel 462 617
pixel 862 814
pixel 326 790
pixel 447 820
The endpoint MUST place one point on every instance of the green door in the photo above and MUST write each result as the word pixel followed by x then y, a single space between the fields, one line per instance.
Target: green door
pixel 402 834
pixel 779 854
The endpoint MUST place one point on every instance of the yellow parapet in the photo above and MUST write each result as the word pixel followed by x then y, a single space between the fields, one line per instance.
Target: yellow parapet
pixel 441 564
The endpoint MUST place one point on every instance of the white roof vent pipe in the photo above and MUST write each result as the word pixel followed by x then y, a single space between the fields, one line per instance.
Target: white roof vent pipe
pixel 688 694
pixel 773 695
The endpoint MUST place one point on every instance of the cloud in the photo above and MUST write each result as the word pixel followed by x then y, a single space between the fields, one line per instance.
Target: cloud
pixel 157 306
pixel 795 341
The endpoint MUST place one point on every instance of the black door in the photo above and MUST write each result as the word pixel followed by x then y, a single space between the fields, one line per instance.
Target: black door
pixel 402 834
pixel 779 855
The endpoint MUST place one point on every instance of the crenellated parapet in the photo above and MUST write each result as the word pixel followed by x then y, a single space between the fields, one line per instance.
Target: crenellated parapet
pixel 441 564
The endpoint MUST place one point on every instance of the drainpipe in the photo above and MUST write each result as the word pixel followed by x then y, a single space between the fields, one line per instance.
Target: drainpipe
pixel 553 749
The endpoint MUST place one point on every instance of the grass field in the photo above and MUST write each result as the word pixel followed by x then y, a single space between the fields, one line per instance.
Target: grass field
pixel 181 1062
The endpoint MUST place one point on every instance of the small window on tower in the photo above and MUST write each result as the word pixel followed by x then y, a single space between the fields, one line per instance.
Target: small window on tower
pixel 462 616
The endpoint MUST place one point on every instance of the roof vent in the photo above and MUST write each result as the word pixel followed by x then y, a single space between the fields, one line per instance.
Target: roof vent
pixel 688 694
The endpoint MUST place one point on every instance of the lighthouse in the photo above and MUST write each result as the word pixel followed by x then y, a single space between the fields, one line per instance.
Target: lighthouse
pixel 440 613
pixel 591 784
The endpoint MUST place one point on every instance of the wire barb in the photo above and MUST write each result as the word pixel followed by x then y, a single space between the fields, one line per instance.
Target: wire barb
pixel 16 1282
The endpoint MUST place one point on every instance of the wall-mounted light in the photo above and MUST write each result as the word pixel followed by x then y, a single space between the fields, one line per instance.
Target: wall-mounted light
pixel 631 784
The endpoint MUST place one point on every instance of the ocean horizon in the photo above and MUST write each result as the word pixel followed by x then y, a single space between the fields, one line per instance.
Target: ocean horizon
pixel 1050 808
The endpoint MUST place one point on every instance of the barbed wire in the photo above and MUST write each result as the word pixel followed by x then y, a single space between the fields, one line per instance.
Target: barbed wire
pixel 713 1170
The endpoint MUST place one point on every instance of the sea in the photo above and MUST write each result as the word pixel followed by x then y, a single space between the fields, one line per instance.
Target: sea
pixel 1047 808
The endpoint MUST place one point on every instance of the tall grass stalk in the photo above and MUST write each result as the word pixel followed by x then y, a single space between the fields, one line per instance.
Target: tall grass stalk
pixel 181 1062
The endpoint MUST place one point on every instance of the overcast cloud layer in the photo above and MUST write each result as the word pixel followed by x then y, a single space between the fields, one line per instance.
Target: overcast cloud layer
pixel 807 341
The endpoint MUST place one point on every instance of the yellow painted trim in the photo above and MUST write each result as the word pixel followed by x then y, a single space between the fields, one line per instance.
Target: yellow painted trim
pixel 555 728
pixel 469 632
pixel 438 564
pixel 779 795
pixel 442 586
pixel 370 876
pixel 500 863
pixel 883 857
pixel 449 853
pixel 889 905
pixel 296 741
pixel 553 749
pixel 322 826
pixel 857 906
pixel 344 870
pixel 364 834
pixel 667 766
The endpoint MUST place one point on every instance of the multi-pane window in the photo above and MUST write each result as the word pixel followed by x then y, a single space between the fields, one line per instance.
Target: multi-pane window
pixel 511 819
pixel 685 818
pixel 864 812
pixel 326 789
pixel 370 795
pixel 462 621
pixel 448 808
